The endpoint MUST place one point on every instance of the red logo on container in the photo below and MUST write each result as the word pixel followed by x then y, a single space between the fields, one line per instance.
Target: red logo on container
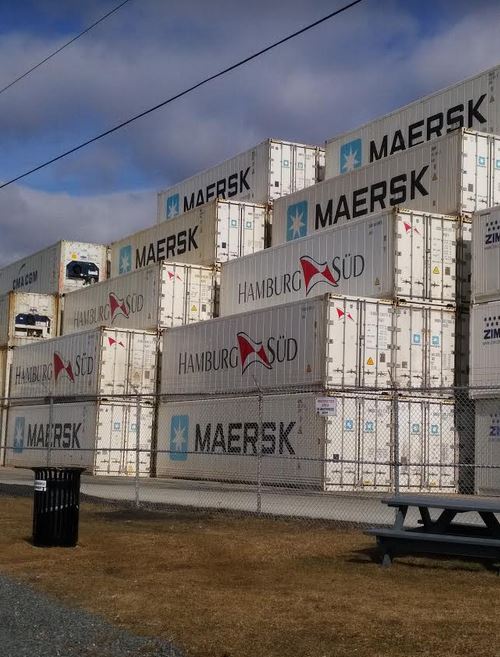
pixel 171 275
pixel 408 228
pixel 61 366
pixel 316 272
pixel 342 313
pixel 251 352
pixel 117 306
pixel 112 341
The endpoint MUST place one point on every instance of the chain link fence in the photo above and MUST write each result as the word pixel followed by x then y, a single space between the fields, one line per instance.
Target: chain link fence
pixel 309 453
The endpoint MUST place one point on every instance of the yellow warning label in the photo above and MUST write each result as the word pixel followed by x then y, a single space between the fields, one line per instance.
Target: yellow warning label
pixel 194 309
pixel 74 256
pixel 370 361
pixel 435 270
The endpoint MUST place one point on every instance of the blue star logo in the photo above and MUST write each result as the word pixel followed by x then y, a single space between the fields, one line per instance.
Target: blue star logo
pixel 296 221
pixel 350 156
pixel 179 437
pixel 172 206
pixel 125 260
pixel 19 435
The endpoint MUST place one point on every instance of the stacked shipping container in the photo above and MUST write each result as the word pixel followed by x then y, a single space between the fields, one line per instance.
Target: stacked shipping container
pixel 485 347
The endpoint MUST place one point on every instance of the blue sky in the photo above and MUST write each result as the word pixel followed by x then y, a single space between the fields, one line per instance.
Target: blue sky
pixel 368 61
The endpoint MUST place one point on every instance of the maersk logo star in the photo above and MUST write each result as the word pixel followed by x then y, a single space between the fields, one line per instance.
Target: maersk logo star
pixel 179 437
pixel 350 156
pixel 172 206
pixel 125 262
pixel 296 221
pixel 19 435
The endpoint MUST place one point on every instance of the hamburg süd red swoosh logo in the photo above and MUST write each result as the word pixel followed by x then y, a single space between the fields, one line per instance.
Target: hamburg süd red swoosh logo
pixel 112 341
pixel 117 306
pixel 409 227
pixel 316 272
pixel 61 366
pixel 342 313
pixel 251 352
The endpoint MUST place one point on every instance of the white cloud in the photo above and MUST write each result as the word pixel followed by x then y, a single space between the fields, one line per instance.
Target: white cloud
pixel 32 219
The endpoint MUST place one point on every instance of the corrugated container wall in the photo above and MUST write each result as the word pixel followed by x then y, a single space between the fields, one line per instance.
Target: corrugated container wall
pixel 332 342
pixel 350 449
pixel 485 350
pixel 213 233
pixel 217 439
pixel 101 437
pixel 456 174
pixel 360 445
pixel 98 362
pixel 271 169
pixel 59 268
pixel 487 451
pixel 164 295
pixel 472 103
pixel 27 317
pixel 486 255
pixel 395 254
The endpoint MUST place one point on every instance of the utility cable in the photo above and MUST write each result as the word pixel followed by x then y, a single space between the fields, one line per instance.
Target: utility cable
pixel 53 54
pixel 182 93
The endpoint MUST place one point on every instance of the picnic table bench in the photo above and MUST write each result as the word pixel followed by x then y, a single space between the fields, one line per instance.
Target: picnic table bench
pixel 441 535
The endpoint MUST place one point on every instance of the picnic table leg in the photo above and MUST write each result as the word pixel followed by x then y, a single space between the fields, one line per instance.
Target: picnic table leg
pixel 386 560
pixel 444 520
pixel 426 517
pixel 400 517
pixel 491 521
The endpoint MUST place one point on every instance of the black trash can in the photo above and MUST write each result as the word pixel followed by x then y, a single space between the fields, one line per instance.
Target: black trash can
pixel 56 506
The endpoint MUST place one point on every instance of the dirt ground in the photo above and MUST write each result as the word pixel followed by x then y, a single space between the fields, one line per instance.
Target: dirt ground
pixel 225 586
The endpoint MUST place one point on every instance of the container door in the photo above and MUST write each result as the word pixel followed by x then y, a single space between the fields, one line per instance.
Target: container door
pixel 342 348
pixel 145 431
pixel 110 455
pixel 374 444
pixel 440 366
pixel 409 346
pixel 441 447
pixel 411 256
pixel 411 445
pixel 342 446
pixel 228 231
pixel 440 265
pixel 376 338
pixel 253 226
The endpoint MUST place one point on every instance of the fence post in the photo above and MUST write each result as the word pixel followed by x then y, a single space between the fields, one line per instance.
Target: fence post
pixel 51 429
pixel 259 455
pixel 137 448
pixel 395 415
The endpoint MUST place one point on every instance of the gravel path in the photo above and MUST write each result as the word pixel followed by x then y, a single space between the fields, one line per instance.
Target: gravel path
pixel 35 625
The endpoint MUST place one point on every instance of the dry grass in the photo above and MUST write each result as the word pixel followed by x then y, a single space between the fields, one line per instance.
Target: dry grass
pixel 245 587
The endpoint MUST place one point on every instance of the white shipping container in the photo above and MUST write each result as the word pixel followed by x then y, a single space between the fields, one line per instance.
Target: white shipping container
pixel 101 437
pixel 217 439
pixel 395 254
pixel 98 362
pixel 215 232
pixel 487 447
pixel 164 295
pixel 27 317
pixel 361 444
pixel 485 350
pixel 271 169
pixel 471 103
pixel 486 255
pixel 59 268
pixel 456 174
pixel 332 342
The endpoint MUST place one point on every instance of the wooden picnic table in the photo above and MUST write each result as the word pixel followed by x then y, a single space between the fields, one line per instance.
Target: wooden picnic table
pixel 441 534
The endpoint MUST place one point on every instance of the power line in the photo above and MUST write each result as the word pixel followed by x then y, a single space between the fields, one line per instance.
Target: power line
pixel 87 29
pixel 182 93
